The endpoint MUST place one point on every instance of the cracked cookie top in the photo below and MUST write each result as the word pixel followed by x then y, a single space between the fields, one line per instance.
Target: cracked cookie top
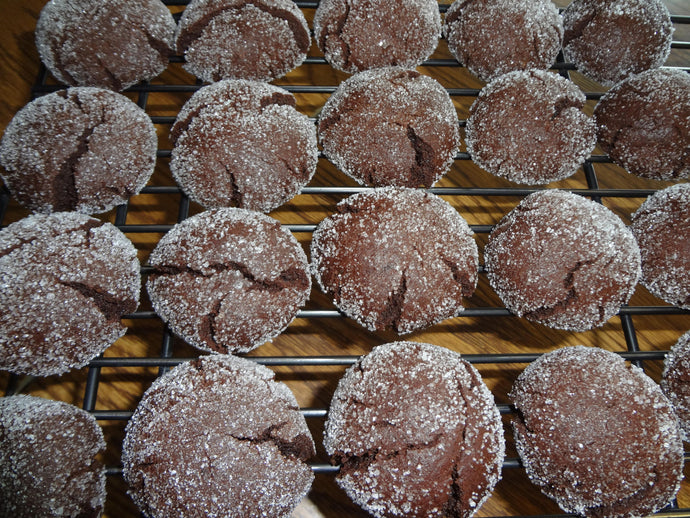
pixel 609 40
pixel 395 258
pixel 48 459
pixel 241 143
pixel 562 260
pixel 228 280
pixel 529 127
pixel 390 126
pixel 82 149
pixel 596 434
pixel 66 279
pixel 217 436
pixel 674 382
pixel 416 433
pixel 260 40
pixel 493 37
pixel 113 44
pixel 643 123
pixel 357 35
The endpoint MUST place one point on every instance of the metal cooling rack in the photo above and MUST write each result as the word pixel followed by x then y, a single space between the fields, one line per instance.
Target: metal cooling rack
pixel 165 360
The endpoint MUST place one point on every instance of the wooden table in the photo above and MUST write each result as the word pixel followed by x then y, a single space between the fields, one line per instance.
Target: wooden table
pixel 323 342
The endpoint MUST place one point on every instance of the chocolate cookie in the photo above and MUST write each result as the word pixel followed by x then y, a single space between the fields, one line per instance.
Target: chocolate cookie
pixel 395 258
pixel 66 279
pixel 243 144
pixel 217 437
pixel 112 44
pixel 48 460
pixel 674 382
pixel 562 260
pixel 662 228
pixel 416 432
pixel 390 126
pixel 357 35
pixel 643 123
pixel 609 40
pixel 528 126
pixel 228 280
pixel 597 435
pixel 493 37
pixel 102 151
pixel 240 39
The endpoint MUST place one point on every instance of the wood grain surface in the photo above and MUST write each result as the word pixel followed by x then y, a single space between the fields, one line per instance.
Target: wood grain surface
pixel 132 363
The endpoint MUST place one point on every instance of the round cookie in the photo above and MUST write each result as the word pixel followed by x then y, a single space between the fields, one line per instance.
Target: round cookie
pixel 48 460
pixel 416 432
pixel 609 40
pixel 395 258
pixel 528 126
pixel 102 151
pixel 662 228
pixel 357 35
pixel 241 143
pixel 562 260
pixel 643 123
pixel 233 39
pixel 596 435
pixel 217 436
pixel 493 37
pixel 66 279
pixel 390 127
pixel 228 280
pixel 674 382
pixel 112 44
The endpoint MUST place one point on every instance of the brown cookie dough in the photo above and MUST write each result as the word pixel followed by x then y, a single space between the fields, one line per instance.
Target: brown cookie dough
pixel 242 39
pixel 529 127
pixel 675 382
pixel 416 433
pixel 643 123
pixel 228 280
pixel 562 260
pixel 112 44
pixel 597 435
pixel 357 35
pixel 609 40
pixel 66 279
pixel 493 37
pixel 217 437
pixel 102 151
pixel 241 143
pixel 390 127
pixel 48 460
pixel 395 258
pixel 662 228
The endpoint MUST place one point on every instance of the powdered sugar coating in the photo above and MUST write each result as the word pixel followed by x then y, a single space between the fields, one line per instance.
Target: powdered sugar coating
pixel 643 123
pixel 493 37
pixel 48 464
pixel 528 126
pixel 596 435
pixel 609 40
pixel 102 151
pixel 395 258
pixel 674 382
pixel 228 280
pixel 390 126
pixel 357 35
pixel 242 39
pixel 217 437
pixel 66 279
pixel 416 432
pixel 112 44
pixel 662 228
pixel 562 260
pixel 243 144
